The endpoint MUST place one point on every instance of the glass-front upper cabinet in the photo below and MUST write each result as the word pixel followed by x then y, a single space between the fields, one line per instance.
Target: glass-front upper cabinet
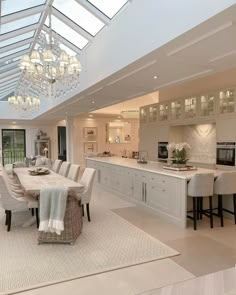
pixel 153 113
pixel 227 102
pixel 163 111
pixel 175 110
pixel 190 107
pixel 207 105
pixel 143 114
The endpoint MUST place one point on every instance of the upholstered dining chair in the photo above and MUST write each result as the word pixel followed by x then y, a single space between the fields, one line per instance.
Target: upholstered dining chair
pixel 64 169
pixel 56 166
pixel 200 186
pixel 74 172
pixel 87 180
pixel 225 184
pixel 11 201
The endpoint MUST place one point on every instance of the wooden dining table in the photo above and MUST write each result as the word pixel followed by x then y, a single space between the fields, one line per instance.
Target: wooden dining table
pixel 32 184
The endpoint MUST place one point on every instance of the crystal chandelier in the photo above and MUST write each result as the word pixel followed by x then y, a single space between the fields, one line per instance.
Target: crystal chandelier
pixel 49 70
pixel 24 104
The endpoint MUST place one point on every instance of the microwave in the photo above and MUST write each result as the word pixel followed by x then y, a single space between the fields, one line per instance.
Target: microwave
pixel 225 153
pixel 162 150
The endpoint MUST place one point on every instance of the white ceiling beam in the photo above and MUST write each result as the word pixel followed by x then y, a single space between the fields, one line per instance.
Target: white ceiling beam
pixel 12 56
pixel 18 32
pixel 9 66
pixel 10 77
pixel 64 41
pixel 9 73
pixel 22 14
pixel 8 82
pixel 2 94
pixel 96 12
pixel 71 24
pixel 16 45
pixel 5 94
pixel 41 23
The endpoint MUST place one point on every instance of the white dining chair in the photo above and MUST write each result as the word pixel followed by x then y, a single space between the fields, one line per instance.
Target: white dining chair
pixel 64 169
pixel 56 166
pixel 74 172
pixel 200 186
pixel 87 181
pixel 225 184
pixel 11 201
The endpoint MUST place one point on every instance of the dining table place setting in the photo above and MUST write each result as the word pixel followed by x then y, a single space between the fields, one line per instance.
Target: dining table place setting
pixel 38 171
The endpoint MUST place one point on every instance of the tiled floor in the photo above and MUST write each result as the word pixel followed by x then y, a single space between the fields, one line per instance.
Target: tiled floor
pixel 202 252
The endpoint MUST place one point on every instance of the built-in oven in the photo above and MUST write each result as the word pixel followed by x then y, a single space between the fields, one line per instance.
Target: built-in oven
pixel 162 150
pixel 225 153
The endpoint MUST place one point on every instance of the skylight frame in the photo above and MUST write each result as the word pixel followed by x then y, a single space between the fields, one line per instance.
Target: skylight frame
pixel 14 50
pixel 9 23
pixel 86 27
pixel 25 8
pixel 30 35
pixel 13 56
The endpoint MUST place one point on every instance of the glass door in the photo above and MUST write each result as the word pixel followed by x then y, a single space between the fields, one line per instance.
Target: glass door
pixel 13 145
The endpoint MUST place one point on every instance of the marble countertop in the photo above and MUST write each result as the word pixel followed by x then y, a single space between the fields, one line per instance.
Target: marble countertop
pixel 155 167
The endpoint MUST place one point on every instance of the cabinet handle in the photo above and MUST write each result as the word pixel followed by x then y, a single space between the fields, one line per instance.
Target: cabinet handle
pixel 145 192
pixel 163 190
pixel 163 181
pixel 142 191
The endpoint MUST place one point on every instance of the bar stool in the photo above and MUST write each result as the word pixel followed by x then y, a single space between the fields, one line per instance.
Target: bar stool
pixel 199 186
pixel 225 184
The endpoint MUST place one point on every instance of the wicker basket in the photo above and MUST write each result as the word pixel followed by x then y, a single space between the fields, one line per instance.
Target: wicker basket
pixel 73 224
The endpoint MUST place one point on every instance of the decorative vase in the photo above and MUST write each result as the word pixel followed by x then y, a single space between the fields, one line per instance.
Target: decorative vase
pixel 179 163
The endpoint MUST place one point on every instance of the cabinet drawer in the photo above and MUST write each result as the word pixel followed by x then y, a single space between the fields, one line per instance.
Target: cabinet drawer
pixel 158 181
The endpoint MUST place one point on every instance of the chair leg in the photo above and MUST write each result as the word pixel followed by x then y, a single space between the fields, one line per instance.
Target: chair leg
pixel 198 208
pixel 211 211
pixel 32 211
pixel 6 217
pixel 37 216
pixel 234 197
pixel 194 213
pixel 8 220
pixel 88 213
pixel 82 209
pixel 220 209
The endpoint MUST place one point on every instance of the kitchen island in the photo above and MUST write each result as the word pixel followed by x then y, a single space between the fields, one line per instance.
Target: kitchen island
pixel 163 191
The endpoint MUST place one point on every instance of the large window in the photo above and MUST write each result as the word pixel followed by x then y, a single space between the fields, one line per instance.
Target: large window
pixel 13 145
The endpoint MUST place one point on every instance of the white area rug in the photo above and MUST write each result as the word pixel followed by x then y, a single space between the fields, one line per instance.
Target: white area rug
pixel 108 242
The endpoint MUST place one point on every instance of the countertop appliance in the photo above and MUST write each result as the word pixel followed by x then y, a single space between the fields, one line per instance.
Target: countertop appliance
pixel 162 150
pixel 225 153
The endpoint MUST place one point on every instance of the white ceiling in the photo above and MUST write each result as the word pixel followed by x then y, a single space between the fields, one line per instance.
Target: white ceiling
pixel 208 48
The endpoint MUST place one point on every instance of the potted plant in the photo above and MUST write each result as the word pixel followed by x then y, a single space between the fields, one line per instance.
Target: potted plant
pixel 179 152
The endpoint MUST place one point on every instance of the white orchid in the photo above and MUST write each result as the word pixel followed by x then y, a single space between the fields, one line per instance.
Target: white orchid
pixel 179 150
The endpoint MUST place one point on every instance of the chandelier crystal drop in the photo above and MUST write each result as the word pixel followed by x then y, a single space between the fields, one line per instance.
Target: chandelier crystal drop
pixel 24 104
pixel 49 69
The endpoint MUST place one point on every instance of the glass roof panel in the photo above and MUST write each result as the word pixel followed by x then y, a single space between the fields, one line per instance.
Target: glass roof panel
pixel 20 23
pixel 16 39
pixel 10 61
pixel 9 52
pixel 79 15
pixel 11 6
pixel 108 7
pixel 67 33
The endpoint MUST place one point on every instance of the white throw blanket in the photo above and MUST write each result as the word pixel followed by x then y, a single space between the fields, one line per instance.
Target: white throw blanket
pixel 52 209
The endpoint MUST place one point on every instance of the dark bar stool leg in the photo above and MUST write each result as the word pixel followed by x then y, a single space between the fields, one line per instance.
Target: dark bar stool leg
pixel 234 197
pixel 32 211
pixel 194 213
pixel 211 211
pixel 201 206
pixel 8 220
pixel 82 209
pixel 198 208
pixel 88 213
pixel 220 209
pixel 6 217
pixel 37 216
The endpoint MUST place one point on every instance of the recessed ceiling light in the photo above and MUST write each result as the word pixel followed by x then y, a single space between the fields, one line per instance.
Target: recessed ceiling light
pixel 93 101
pixel 155 77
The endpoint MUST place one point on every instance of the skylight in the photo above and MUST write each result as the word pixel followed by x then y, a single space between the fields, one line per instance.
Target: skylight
pixel 20 23
pixel 79 15
pixel 67 33
pixel 108 7
pixel 11 6
pixel 16 39
pixel 15 50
